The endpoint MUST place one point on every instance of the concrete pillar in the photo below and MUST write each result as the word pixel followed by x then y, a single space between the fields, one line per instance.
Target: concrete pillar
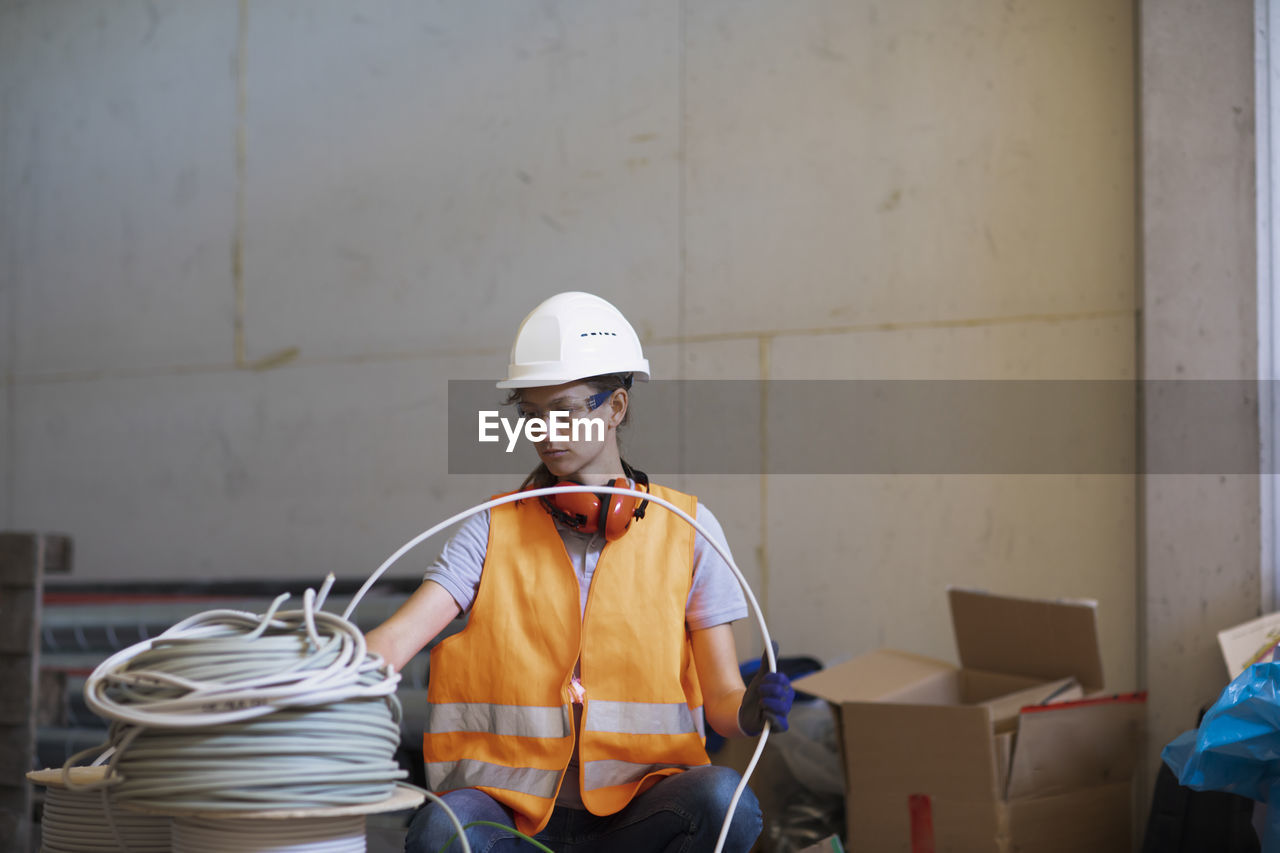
pixel 1199 534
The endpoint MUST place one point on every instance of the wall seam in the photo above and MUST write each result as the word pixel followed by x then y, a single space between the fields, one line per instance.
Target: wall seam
pixel 1142 650
pixel 765 369
pixel 237 237
pixel 904 326
pixel 681 236
pixel 291 357
pixel 1266 360
pixel 12 326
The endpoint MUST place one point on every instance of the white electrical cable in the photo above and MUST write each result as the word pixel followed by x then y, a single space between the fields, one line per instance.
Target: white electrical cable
pixel 229 712
pixel 79 822
pixel 225 666
pixel 613 490
pixel 195 711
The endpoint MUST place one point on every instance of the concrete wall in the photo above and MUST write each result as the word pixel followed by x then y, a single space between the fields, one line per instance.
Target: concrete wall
pixel 245 247
pixel 1200 534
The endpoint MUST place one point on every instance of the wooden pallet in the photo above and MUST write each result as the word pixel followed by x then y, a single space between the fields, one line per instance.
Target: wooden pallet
pixel 25 560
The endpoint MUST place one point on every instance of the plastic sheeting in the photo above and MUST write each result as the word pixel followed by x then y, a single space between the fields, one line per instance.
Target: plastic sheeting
pixel 811 806
pixel 1237 747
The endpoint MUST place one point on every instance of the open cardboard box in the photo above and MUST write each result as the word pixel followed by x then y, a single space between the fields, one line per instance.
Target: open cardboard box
pixel 1014 750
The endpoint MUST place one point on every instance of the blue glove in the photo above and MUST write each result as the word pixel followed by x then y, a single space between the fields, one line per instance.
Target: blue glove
pixel 768 697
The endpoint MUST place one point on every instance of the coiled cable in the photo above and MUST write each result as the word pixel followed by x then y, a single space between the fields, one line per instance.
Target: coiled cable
pixel 297 758
pixel 226 666
pixel 81 822
pixel 229 712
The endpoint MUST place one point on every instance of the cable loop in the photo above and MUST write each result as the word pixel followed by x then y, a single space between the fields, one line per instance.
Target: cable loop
pixel 612 490
pixel 230 710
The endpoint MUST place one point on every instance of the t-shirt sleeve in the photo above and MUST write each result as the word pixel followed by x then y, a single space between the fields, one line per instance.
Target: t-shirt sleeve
pixel 716 597
pixel 461 561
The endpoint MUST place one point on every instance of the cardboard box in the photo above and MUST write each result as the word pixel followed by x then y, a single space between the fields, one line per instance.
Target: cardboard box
pixel 1006 752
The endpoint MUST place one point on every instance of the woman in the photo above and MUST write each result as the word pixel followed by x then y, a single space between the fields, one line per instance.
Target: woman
pixel 571 707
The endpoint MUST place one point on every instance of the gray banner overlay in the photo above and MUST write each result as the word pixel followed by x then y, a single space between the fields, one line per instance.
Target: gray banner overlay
pixel 901 427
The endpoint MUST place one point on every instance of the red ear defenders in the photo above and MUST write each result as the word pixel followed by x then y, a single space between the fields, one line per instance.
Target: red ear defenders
pixel 589 513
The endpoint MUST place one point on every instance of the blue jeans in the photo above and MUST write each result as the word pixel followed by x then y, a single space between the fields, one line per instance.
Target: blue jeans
pixel 680 814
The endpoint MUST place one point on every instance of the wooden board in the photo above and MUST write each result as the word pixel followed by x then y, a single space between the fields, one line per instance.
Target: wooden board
pixel 51 777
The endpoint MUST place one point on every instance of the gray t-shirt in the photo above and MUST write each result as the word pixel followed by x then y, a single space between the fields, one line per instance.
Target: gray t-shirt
pixel 714 599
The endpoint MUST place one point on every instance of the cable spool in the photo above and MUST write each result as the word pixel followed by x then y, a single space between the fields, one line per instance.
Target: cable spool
pixel 317 829
pixel 331 835
pixel 76 821
pixel 281 719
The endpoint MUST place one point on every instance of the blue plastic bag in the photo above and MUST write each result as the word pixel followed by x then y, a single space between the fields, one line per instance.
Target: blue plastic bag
pixel 1237 747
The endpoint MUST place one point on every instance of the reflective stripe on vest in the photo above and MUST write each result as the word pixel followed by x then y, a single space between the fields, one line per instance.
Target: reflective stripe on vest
pixel 643 718
pixel 605 773
pixel 518 720
pixel 447 775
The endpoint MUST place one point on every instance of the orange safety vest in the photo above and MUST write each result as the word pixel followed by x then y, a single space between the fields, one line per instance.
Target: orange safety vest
pixel 499 714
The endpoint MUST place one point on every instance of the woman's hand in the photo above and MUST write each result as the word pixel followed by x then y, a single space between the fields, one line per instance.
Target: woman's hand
pixel 731 708
pixel 768 698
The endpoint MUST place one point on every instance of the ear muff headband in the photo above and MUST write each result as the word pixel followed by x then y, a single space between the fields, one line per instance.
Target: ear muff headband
pixel 610 512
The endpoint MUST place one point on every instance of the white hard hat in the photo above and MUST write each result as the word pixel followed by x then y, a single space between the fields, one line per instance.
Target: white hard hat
pixel 572 336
